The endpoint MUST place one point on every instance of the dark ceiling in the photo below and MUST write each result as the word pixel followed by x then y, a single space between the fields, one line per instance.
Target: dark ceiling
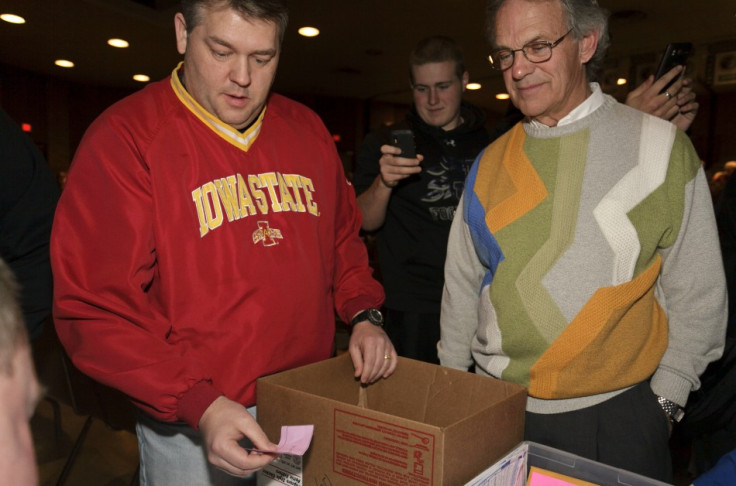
pixel 361 52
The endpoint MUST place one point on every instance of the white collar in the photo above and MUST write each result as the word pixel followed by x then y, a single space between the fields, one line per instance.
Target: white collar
pixel 591 103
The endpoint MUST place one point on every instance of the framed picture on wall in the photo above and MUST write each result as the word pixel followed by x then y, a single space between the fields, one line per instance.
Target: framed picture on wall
pixel 724 68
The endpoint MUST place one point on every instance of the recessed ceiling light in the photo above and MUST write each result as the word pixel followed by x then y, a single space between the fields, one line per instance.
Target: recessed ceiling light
pixel 308 31
pixel 473 86
pixel 64 63
pixel 121 43
pixel 621 81
pixel 142 78
pixel 12 18
pixel 502 96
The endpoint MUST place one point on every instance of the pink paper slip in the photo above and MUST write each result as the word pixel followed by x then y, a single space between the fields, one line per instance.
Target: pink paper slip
pixel 541 477
pixel 295 440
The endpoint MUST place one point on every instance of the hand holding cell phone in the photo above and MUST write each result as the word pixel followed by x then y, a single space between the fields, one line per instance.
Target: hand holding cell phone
pixel 397 167
pixel 675 54
pixel 668 94
pixel 404 139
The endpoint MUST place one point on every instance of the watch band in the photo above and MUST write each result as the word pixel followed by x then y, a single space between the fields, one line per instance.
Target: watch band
pixel 372 315
pixel 673 410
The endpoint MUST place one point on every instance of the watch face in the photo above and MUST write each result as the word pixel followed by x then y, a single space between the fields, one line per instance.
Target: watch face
pixel 375 316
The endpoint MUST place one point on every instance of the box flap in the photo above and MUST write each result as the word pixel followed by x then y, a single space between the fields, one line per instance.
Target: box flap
pixel 416 391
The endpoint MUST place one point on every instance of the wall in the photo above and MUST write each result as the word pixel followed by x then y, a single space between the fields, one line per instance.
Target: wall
pixel 718 145
pixel 60 112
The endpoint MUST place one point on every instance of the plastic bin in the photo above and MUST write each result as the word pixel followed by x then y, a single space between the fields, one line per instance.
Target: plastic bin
pixel 513 469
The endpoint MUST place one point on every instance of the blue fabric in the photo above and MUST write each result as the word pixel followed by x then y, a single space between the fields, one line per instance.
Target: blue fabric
pixel 486 247
pixel 722 474
pixel 175 454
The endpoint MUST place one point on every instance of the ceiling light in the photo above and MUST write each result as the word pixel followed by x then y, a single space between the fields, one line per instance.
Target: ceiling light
pixel 473 86
pixel 12 18
pixel 308 31
pixel 142 78
pixel 502 96
pixel 621 81
pixel 121 43
pixel 64 63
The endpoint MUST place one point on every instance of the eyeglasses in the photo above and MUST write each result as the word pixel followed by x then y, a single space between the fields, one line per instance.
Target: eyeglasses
pixel 536 52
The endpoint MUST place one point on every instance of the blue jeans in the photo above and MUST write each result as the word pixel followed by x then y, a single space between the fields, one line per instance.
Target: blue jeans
pixel 173 454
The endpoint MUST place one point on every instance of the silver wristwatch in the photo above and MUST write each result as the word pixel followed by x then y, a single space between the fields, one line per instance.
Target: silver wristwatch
pixel 673 410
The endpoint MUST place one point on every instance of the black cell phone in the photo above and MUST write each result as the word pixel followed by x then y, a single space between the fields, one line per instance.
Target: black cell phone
pixel 676 54
pixel 404 139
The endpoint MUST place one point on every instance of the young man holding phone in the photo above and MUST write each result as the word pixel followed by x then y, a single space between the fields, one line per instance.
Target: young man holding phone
pixel 411 201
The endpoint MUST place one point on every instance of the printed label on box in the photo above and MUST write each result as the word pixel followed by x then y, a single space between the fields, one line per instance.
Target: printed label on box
pixel 509 471
pixel 375 452
pixel 286 469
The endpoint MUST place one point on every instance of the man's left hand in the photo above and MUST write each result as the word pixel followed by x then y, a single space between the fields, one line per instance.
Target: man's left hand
pixel 373 354
pixel 678 106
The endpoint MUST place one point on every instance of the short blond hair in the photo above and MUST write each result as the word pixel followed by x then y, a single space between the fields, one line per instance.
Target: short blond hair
pixel 438 48
pixel 13 333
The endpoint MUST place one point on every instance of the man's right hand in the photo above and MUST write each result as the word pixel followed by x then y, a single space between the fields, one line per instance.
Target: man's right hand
pixel 223 425
pixel 373 203
pixel 679 107
pixel 394 167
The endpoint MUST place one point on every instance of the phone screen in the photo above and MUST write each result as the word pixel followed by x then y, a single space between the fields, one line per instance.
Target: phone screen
pixel 676 54
pixel 404 139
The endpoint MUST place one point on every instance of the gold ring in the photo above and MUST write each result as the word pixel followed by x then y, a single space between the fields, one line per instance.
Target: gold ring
pixel 668 95
pixel 386 356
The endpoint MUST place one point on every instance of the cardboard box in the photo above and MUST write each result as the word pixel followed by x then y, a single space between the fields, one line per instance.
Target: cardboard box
pixel 426 425
pixel 512 469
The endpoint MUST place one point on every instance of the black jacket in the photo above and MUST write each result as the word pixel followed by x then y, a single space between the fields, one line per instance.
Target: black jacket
pixel 28 197
pixel 413 240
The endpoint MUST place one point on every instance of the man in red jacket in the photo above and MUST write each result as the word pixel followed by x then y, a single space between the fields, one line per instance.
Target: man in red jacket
pixel 205 238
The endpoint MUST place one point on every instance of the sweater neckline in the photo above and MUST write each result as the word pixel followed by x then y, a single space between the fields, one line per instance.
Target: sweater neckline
pixel 553 132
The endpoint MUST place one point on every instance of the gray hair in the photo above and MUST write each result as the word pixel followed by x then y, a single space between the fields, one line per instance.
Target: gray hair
pixel 582 16
pixel 13 334
pixel 275 11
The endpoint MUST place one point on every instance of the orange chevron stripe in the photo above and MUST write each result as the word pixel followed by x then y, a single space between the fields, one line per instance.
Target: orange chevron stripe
pixel 615 341
pixel 516 187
